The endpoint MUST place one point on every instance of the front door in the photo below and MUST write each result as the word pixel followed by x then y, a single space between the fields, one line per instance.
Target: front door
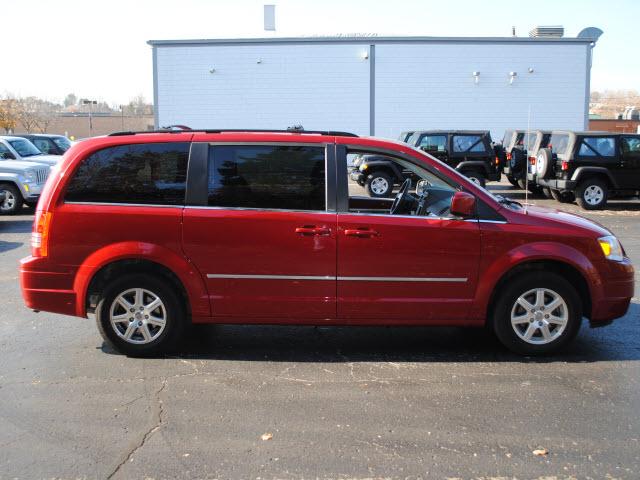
pixel 630 162
pixel 417 265
pixel 265 241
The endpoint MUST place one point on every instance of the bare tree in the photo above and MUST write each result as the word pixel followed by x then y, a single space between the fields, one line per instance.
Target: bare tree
pixel 8 113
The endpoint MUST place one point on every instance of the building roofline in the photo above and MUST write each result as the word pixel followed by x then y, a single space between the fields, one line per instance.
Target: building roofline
pixel 365 40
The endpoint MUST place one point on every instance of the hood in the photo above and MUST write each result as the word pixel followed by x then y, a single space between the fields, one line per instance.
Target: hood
pixel 560 219
pixel 19 166
pixel 50 160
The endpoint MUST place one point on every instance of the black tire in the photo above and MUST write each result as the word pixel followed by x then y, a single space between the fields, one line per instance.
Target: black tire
pixel 544 163
pixel 592 194
pixel 562 197
pixel 476 178
pixel 175 316
pixel 506 304
pixel 379 179
pixel 512 180
pixel 13 201
pixel 547 192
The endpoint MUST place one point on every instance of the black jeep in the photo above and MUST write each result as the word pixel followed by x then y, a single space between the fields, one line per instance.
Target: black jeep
pixel 521 148
pixel 590 166
pixel 471 152
pixel 378 174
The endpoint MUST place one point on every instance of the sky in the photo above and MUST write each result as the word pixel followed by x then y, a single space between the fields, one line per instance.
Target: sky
pixel 98 50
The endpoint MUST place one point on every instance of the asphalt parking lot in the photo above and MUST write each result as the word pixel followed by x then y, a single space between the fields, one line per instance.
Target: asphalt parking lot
pixel 335 402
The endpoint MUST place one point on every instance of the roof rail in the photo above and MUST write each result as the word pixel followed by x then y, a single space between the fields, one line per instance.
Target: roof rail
pixel 330 133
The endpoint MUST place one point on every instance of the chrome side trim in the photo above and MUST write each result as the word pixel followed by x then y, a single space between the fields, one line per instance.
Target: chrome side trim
pixel 206 207
pixel 404 279
pixel 270 277
pixel 109 204
pixel 330 277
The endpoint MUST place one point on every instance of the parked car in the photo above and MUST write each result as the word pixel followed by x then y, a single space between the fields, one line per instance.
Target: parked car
pixel 521 154
pixel 154 231
pixel 20 183
pixel 48 144
pixel 18 148
pixel 590 167
pixel 471 152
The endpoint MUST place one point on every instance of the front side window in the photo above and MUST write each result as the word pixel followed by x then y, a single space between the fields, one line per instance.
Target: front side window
pixel 468 143
pixel 433 143
pixel 63 143
pixel 24 147
pixel 5 153
pixel 597 147
pixel 148 173
pixel 42 144
pixel 373 190
pixel 267 177
pixel 631 145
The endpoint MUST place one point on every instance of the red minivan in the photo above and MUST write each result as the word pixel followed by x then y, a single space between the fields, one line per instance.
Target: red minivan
pixel 154 231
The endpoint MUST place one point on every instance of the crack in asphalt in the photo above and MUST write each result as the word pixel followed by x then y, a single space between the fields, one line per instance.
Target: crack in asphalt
pixel 159 414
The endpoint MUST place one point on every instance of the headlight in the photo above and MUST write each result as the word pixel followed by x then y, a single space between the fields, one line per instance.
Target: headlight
pixel 30 176
pixel 611 248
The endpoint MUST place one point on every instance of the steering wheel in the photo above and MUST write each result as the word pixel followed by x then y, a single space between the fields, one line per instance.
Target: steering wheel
pixel 401 197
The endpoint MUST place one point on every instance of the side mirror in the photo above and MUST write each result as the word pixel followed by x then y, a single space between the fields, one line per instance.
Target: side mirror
pixel 463 205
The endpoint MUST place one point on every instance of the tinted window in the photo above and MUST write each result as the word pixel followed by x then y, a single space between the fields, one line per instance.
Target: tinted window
pixel 5 154
pixel 597 147
pixel 42 144
pixel 150 173
pixel 631 145
pixel 270 177
pixel 468 143
pixel 63 143
pixel 434 143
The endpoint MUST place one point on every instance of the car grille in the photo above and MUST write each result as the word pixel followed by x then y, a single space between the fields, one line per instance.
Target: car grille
pixel 41 175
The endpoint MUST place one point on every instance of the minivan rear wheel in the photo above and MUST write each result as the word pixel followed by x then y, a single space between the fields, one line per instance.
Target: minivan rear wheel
pixel 537 314
pixel 140 315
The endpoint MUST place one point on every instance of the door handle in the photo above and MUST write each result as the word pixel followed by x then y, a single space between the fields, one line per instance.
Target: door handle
pixel 360 233
pixel 310 230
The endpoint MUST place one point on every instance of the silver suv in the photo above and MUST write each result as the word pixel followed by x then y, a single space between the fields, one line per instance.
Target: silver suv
pixel 20 183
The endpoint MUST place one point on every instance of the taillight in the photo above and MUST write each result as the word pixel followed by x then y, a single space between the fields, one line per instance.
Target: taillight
pixel 497 160
pixel 40 234
pixel 508 156
pixel 532 160
pixel 565 165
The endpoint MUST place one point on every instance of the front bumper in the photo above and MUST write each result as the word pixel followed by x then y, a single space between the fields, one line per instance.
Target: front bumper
pixel 556 184
pixel 616 292
pixel 47 288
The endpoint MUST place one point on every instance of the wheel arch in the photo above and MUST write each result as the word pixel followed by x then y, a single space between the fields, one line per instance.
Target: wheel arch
pixel 583 173
pixel 136 257
pixel 567 262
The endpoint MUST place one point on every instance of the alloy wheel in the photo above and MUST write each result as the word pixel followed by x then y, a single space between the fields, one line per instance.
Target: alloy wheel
pixel 539 316
pixel 138 316
pixel 593 195
pixel 9 201
pixel 379 185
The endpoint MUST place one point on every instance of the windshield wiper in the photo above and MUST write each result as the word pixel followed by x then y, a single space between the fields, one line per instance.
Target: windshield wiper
pixel 507 201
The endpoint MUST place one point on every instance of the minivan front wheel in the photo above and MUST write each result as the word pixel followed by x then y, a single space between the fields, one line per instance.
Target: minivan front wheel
pixel 140 315
pixel 537 314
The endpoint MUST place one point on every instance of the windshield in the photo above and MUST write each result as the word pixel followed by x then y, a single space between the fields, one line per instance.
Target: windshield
pixel 24 147
pixel 63 143
pixel 559 143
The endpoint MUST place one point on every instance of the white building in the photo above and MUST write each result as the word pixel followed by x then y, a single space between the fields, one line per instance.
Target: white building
pixel 374 85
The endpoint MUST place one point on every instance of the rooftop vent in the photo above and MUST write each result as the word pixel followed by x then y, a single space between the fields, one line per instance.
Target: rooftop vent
pixel 556 31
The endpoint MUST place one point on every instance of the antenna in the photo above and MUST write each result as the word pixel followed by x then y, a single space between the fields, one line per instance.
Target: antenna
pixel 526 170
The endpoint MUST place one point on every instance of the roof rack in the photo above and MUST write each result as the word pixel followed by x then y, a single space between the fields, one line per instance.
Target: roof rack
pixel 330 133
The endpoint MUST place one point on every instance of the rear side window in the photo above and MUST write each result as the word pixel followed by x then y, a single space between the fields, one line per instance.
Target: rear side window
pixel 149 173
pixel 437 143
pixel 597 147
pixel 267 177
pixel 468 143
pixel 559 143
